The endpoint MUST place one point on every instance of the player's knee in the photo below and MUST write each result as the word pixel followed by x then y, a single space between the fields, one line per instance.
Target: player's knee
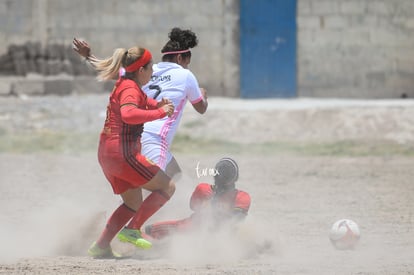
pixel 168 185
pixel 162 183
pixel 170 188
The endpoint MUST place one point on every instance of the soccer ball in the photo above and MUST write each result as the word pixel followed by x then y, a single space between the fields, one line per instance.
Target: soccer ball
pixel 344 234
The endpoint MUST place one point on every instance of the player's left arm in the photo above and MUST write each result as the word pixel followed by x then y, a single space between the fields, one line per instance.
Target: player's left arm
pixel 201 105
pixel 241 206
pixel 152 103
pixel 196 95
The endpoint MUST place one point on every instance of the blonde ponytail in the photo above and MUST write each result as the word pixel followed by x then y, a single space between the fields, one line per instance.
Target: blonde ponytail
pixel 109 68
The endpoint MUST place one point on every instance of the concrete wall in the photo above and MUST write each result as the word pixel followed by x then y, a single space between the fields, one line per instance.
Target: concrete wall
pixel 346 48
pixel 356 48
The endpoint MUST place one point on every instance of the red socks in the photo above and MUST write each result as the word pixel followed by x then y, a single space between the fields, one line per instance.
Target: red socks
pixel 115 223
pixel 148 207
pixel 123 214
pixel 160 230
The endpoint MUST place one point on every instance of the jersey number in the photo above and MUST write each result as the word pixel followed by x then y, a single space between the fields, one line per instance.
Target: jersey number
pixel 155 87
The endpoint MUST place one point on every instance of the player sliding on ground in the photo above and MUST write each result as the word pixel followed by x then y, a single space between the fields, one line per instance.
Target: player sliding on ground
pixel 214 205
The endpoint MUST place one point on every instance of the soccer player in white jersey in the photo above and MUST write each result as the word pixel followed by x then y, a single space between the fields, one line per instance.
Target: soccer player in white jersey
pixel 173 80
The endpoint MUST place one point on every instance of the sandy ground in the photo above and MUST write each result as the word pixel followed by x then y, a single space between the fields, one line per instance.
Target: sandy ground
pixel 53 205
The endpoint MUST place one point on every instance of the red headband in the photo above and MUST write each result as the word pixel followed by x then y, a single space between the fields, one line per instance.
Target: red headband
pixel 140 62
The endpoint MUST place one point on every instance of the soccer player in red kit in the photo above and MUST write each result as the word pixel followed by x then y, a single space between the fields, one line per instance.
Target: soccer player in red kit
pixel 119 153
pixel 213 204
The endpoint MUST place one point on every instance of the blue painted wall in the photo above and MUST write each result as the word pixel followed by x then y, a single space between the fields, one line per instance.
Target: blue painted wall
pixel 267 48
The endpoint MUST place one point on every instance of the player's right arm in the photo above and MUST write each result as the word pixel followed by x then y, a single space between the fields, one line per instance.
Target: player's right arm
pixel 201 195
pixel 83 49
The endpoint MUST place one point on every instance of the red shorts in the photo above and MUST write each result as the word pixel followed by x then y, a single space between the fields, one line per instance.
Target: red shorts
pixel 126 173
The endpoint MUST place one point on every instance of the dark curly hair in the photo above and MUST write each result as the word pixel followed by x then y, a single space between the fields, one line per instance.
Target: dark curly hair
pixel 179 40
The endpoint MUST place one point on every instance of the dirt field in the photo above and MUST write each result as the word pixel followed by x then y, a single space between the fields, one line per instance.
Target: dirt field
pixel 306 164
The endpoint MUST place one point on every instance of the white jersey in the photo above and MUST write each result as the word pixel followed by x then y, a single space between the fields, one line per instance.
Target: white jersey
pixel 178 85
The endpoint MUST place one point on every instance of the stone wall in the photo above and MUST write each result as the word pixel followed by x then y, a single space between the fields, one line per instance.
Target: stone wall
pixel 108 24
pixel 32 58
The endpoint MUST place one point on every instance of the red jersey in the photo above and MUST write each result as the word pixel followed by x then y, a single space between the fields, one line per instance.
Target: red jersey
pixel 211 210
pixel 119 146
pixel 221 205
pixel 127 92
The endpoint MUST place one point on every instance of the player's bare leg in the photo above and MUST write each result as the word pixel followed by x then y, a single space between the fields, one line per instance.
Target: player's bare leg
pixel 173 170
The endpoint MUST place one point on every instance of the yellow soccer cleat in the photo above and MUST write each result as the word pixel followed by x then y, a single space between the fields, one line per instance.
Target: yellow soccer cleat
pixel 134 236
pixel 103 253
